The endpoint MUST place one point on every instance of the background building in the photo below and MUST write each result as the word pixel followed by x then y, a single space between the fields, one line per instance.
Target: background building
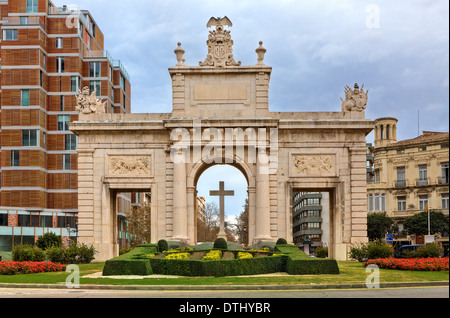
pixel 47 55
pixel 310 212
pixel 409 174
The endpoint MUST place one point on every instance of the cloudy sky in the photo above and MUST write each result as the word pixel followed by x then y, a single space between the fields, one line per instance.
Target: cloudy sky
pixel 398 49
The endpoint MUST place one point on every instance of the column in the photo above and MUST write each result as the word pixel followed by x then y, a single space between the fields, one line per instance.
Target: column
pixel 179 198
pixel 262 197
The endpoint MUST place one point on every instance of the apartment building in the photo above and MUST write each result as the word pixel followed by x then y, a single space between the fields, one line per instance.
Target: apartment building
pixel 409 174
pixel 48 53
pixel 311 215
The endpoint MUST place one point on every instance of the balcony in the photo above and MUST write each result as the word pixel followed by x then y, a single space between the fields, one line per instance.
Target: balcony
pixel 400 183
pixel 16 21
pixel 422 182
pixel 442 180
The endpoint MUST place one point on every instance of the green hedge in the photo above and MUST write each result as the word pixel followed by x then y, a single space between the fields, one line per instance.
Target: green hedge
pixel 236 267
pixel 294 262
pixel 128 264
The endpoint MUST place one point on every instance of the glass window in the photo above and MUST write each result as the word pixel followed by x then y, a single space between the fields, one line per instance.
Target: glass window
pixel 15 158
pixel 444 197
pixel 25 97
pixel 59 43
pixel 370 202
pixel 75 83
pixel 94 69
pixel 423 201
pixel 46 221
pixel 71 142
pixel 60 64
pixel 32 6
pixel 66 162
pixel 383 202
pixel 377 202
pixel 95 86
pixel 422 172
pixel 63 121
pixel 23 219
pixel 401 203
pixel 444 172
pixel 9 35
pixel 30 137
pixel 23 20
pixel 3 218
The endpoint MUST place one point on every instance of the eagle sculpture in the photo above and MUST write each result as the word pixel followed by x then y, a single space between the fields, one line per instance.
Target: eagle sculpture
pixel 219 22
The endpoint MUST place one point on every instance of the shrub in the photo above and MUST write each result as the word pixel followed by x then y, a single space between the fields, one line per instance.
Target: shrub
pixel 178 256
pixel 321 252
pixel 48 240
pixel 415 264
pixel 429 250
pixel 56 254
pixel 213 255
pixel 22 253
pixel 244 255
pixel 371 250
pixel 220 243
pixel 163 245
pixel 38 255
pixel 281 241
pixel 72 254
pixel 86 253
pixel 12 268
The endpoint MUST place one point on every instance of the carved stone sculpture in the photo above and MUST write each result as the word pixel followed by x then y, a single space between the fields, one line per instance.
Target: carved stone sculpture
pixel 220 45
pixel 313 165
pixel 179 52
pixel 355 100
pixel 129 165
pixel 88 103
pixel 261 52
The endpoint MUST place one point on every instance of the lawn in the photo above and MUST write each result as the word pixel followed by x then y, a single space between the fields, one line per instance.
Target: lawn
pixel 351 272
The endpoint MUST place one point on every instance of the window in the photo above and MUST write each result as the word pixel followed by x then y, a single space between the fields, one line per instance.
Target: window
pixel 9 35
pixel 383 202
pixel 94 69
pixel 30 137
pixel 63 121
pixel 423 180
pixel 61 103
pixel 401 203
pixel 60 64
pixel 66 162
pixel 59 43
pixel 401 182
pixel 370 202
pixel 3 218
pixel 444 197
pixel 25 97
pixel 122 82
pixel 32 6
pixel 377 202
pixel 95 86
pixel 71 142
pixel 444 172
pixel 75 83
pixel 23 20
pixel 15 156
pixel 423 201
pixel 382 132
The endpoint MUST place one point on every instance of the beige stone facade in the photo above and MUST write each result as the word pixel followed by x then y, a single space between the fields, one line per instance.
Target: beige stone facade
pixel 408 174
pixel 221 116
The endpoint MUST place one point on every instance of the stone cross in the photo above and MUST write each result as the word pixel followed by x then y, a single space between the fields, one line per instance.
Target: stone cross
pixel 221 193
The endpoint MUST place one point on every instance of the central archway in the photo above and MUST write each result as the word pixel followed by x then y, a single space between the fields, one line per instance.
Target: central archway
pixel 196 171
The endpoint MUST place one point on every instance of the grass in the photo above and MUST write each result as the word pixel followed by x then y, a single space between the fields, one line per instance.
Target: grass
pixel 351 272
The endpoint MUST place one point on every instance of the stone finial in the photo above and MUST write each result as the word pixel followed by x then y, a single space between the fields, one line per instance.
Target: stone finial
pixel 355 100
pixel 88 103
pixel 220 44
pixel 261 52
pixel 179 52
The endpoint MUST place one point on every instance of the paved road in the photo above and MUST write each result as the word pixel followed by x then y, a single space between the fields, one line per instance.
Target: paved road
pixel 411 292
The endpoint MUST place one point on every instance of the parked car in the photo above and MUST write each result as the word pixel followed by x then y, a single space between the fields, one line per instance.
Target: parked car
pixel 411 248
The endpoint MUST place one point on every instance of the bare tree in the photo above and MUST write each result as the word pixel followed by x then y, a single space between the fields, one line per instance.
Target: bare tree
pixel 139 224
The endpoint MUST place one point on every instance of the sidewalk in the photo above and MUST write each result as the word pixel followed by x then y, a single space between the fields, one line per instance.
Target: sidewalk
pixel 230 287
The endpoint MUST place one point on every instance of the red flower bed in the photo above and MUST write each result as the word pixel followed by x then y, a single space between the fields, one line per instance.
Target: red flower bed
pixel 411 264
pixel 12 268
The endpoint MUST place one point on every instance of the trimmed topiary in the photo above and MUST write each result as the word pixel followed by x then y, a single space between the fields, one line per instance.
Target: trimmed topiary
pixel 220 243
pixel 163 246
pixel 281 241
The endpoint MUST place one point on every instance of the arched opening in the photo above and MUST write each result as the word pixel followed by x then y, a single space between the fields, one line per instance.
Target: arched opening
pixel 208 205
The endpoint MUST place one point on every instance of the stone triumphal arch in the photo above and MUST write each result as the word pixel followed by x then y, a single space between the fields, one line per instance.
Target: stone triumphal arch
pixel 221 116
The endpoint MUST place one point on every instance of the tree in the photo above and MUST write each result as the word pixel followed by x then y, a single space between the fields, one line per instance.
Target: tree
pixel 242 221
pixel 208 223
pixel 139 224
pixel 378 224
pixel 418 223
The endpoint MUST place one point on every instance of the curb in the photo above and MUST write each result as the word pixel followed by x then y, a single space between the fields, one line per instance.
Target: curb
pixel 228 287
